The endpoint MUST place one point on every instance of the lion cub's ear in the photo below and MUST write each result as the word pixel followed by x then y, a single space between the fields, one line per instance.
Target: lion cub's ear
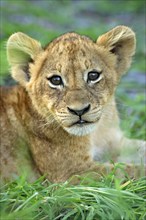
pixel 21 50
pixel 121 42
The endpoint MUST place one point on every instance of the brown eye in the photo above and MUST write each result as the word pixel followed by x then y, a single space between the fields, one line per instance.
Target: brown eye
pixel 93 76
pixel 55 80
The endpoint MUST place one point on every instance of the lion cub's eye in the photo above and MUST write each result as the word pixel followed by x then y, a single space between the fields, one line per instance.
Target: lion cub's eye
pixel 94 76
pixel 55 81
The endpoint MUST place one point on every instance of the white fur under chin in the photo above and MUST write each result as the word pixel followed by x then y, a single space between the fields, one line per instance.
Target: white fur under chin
pixel 80 130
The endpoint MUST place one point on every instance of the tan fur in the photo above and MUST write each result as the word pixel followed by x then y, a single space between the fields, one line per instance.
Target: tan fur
pixel 37 130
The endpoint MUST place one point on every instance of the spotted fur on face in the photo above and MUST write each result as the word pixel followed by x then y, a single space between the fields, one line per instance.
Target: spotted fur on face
pixel 74 78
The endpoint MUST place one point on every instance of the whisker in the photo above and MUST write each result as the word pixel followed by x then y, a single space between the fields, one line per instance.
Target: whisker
pixel 49 122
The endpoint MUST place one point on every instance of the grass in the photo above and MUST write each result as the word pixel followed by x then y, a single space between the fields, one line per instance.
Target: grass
pixel 92 199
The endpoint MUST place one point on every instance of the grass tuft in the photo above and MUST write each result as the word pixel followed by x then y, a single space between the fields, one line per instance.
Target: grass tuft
pixel 109 198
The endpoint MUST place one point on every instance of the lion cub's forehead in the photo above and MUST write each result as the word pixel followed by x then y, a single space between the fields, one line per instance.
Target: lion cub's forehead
pixel 70 48
pixel 69 39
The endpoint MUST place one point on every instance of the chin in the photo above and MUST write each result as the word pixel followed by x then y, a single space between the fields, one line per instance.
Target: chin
pixel 81 130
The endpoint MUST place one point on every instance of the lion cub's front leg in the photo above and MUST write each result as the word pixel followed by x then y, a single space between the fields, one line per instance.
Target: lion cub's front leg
pixel 132 151
pixel 133 154
pixel 117 148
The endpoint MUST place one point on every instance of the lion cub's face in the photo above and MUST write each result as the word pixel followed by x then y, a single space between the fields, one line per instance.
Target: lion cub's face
pixel 74 83
pixel 72 80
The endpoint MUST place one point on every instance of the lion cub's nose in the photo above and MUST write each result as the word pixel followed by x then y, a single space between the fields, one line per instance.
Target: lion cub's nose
pixel 79 112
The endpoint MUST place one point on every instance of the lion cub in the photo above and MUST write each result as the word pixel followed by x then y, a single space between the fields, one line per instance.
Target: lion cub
pixel 62 116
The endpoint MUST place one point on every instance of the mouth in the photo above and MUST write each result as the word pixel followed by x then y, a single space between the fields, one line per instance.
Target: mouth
pixel 81 122
pixel 81 127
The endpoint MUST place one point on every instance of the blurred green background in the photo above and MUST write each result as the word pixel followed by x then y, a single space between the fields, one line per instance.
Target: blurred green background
pixel 46 19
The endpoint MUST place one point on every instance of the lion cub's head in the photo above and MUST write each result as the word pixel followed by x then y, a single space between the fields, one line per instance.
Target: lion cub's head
pixel 73 78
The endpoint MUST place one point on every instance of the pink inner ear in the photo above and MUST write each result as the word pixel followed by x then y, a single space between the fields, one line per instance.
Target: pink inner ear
pixel 103 40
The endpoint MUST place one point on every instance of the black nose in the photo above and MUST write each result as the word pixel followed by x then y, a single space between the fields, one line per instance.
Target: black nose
pixel 79 112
